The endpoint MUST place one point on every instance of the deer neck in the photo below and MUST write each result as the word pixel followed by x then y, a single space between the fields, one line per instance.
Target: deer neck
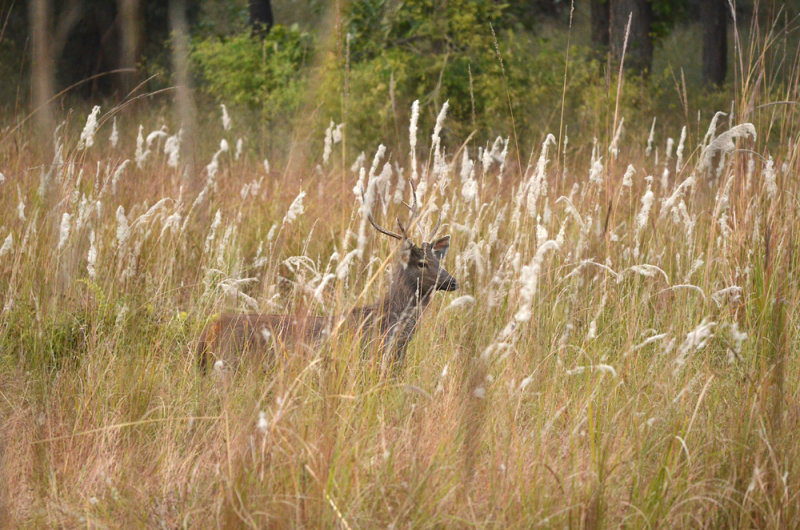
pixel 403 299
pixel 394 316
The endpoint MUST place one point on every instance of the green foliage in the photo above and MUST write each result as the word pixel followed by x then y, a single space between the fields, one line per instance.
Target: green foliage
pixel 47 345
pixel 265 74
pixel 480 55
pixel 433 53
pixel 479 73
pixel 421 26
pixel 666 13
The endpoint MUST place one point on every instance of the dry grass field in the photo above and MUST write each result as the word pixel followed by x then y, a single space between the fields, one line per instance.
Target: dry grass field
pixel 622 349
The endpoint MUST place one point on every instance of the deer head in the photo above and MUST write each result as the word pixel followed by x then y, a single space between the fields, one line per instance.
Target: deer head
pixel 421 266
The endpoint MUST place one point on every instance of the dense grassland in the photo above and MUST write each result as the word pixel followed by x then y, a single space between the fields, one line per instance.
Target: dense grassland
pixel 622 349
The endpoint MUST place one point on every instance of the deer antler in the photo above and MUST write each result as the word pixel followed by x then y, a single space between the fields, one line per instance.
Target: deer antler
pixel 415 212
pixel 414 208
pixel 378 228
pixel 384 231
pixel 435 228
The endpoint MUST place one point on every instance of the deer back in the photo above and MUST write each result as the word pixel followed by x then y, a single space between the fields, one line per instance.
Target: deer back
pixel 233 337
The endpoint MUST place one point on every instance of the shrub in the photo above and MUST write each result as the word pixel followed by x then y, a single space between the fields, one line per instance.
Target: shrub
pixel 265 74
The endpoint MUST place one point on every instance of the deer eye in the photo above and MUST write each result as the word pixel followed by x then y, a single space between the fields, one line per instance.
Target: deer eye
pixel 422 264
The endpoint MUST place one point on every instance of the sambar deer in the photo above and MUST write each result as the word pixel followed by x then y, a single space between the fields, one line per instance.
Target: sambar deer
pixel 387 325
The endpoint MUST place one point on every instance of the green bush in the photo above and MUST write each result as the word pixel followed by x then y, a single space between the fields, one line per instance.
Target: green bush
pixel 265 74
pixel 472 53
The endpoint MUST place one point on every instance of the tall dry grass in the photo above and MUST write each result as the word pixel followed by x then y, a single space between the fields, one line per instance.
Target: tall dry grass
pixel 620 351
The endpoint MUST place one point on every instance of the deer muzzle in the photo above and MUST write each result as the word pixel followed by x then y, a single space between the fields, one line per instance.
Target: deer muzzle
pixel 447 283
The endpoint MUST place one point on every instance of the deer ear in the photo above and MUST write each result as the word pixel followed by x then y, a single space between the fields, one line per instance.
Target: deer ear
pixel 440 247
pixel 405 252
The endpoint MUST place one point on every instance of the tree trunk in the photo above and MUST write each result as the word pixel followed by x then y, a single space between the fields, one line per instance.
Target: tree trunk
pixel 130 33
pixel 713 15
pixel 261 16
pixel 639 52
pixel 600 21
pixel 42 68
pixel 187 112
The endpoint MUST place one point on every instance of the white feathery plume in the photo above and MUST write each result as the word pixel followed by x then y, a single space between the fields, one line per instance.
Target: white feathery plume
pixel 384 181
pixel 263 424
pixel 213 167
pixel 646 269
pixel 114 137
pixel 91 257
pixel 8 244
pixel 172 148
pixel 321 288
pixel 738 338
pixel 667 158
pixel 156 135
pixel 400 188
pixel 537 185
pixel 712 128
pixel 769 179
pixel 343 267
pixel 596 171
pixel 412 137
pixel 226 119
pixel 679 151
pixel 436 136
pixel 461 301
pixel 141 154
pixel 212 231
pixel 118 174
pixel 695 341
pixel 328 144
pixel 732 294
pixel 530 280
pixel 123 231
pixel 650 139
pixel 87 135
pixel 171 223
pixel 63 233
pixel 669 202
pixel 614 147
pixel 467 166
pixel 725 142
pixel 627 178
pixel 370 195
pixel 296 209
pixel 644 212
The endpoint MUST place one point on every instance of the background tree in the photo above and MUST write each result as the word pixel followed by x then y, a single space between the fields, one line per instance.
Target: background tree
pixel 639 52
pixel 77 42
pixel 600 19
pixel 650 21
pixel 42 71
pixel 261 15
pixel 130 40
pixel 714 18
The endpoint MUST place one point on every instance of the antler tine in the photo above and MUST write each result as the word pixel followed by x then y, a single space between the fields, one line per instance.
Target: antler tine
pixel 375 225
pixel 383 230
pixel 414 207
pixel 435 228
